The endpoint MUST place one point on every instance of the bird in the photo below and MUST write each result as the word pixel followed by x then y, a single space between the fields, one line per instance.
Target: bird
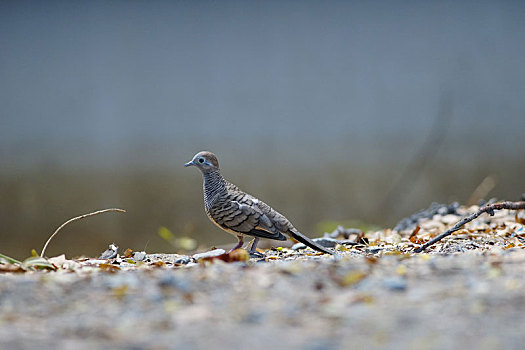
pixel 240 213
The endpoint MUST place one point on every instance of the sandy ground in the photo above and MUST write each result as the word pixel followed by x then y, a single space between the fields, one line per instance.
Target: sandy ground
pixel 467 291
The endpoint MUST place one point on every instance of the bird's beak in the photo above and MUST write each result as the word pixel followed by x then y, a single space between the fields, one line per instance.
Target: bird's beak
pixel 190 163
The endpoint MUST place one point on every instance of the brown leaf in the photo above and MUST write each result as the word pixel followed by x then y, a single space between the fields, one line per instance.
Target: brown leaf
pixel 128 253
pixel 371 260
pixel 413 236
pixel 109 267
pixel 414 232
pixel 158 263
pixel 237 255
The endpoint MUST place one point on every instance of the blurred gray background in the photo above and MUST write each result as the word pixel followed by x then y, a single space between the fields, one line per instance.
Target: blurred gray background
pixel 328 110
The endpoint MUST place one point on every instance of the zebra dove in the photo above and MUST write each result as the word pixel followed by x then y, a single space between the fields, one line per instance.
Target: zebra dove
pixel 241 214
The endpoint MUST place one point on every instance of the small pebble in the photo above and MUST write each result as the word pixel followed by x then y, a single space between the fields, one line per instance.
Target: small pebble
pixel 110 253
pixel 182 260
pixel 209 254
pixel 139 256
pixel 395 283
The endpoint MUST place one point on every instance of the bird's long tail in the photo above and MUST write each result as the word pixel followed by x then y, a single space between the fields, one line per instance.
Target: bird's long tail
pixel 307 241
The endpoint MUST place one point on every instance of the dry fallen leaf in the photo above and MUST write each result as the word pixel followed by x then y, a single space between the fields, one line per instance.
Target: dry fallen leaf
pixel 237 255
pixel 413 235
pixel 109 267
pixel 158 263
pixel 518 219
pixel 128 253
pixel 352 278
pixel 121 291
pixel 371 260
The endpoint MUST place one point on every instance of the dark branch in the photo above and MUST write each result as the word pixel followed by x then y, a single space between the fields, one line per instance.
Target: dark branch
pixel 489 209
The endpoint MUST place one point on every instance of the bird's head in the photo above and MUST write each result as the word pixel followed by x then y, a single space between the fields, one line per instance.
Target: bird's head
pixel 205 161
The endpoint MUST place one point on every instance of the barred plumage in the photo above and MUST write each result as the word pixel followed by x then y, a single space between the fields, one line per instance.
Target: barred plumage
pixel 240 213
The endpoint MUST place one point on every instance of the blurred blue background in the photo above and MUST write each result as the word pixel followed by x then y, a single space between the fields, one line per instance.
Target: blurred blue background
pixel 327 110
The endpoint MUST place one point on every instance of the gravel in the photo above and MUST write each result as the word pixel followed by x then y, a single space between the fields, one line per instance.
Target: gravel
pixel 467 291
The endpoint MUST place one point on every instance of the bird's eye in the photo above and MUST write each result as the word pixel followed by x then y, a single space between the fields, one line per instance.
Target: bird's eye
pixel 201 160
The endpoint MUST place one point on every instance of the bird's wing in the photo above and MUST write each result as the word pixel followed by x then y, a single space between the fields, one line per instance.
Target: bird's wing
pixel 275 218
pixel 248 219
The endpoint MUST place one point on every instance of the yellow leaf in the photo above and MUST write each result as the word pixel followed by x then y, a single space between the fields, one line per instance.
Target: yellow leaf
pixel 121 291
pixel 342 248
pixel 401 269
pixel 165 234
pixel 187 243
pixel 352 278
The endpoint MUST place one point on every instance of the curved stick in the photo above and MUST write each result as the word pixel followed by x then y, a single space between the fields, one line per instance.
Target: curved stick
pixel 486 209
pixel 78 218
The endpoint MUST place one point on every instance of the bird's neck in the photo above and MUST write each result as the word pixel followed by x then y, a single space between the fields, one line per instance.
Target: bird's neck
pixel 214 184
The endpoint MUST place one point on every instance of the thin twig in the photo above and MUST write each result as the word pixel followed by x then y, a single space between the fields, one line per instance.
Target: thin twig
pixel 78 218
pixel 486 209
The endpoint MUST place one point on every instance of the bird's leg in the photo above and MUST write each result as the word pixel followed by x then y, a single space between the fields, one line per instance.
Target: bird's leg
pixel 253 249
pixel 239 244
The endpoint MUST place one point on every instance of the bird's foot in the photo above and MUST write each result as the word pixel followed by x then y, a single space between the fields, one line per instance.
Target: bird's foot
pixel 256 255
